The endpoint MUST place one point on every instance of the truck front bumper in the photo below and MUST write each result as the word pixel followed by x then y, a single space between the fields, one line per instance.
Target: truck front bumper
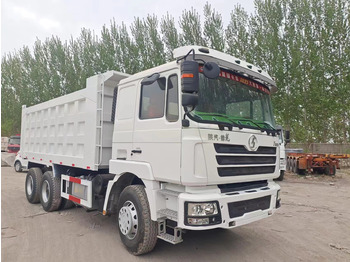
pixel 235 208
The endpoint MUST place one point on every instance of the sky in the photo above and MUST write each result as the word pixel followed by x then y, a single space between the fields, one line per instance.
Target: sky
pixel 23 21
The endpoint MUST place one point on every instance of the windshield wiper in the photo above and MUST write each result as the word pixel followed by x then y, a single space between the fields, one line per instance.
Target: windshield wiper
pixel 238 124
pixel 262 126
pixel 221 124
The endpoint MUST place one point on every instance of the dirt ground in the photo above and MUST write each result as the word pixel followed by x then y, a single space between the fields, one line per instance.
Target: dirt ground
pixel 313 224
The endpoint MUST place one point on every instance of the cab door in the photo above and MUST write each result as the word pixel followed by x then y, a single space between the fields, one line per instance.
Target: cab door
pixel 157 129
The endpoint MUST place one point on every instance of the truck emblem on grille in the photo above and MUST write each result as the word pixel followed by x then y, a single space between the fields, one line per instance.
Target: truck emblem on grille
pixel 253 143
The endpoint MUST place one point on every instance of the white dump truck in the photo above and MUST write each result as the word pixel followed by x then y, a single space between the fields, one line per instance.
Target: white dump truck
pixel 284 139
pixel 188 145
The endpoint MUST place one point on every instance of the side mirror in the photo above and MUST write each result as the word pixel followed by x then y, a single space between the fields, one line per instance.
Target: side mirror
pixel 189 100
pixel 189 76
pixel 189 84
pixel 287 136
pixel 211 70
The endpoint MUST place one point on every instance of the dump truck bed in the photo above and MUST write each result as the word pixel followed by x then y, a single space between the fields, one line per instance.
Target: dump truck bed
pixel 75 129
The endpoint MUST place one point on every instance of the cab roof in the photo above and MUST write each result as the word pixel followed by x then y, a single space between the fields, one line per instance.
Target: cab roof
pixel 229 62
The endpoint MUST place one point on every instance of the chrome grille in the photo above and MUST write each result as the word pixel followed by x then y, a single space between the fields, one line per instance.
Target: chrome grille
pixel 236 160
pixel 240 149
pixel 245 160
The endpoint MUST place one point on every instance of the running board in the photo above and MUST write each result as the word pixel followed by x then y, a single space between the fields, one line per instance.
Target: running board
pixel 173 239
pixel 167 213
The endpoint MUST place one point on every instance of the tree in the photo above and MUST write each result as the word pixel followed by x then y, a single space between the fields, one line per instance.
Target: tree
pixel 304 45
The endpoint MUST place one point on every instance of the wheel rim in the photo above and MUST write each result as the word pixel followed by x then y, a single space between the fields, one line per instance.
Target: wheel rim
pixel 45 191
pixel 30 185
pixel 17 167
pixel 128 220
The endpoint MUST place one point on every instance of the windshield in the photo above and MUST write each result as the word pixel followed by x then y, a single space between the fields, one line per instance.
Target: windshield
pixel 14 141
pixel 234 99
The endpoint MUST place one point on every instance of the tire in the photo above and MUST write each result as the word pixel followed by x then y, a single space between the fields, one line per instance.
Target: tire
pixel 334 170
pixel 319 170
pixel 301 172
pixel 136 229
pixel 280 178
pixel 294 166
pixel 18 166
pixel 327 170
pixel 50 192
pixel 32 185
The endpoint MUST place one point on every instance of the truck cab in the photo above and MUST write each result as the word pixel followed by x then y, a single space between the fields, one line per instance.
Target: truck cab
pixel 207 138
pixel 14 144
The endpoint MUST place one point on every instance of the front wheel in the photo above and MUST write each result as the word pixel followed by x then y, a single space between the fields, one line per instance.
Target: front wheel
pixel 280 178
pixel 136 229
pixel 18 166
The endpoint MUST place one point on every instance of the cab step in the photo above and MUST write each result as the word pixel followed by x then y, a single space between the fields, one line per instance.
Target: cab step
pixel 167 213
pixel 174 239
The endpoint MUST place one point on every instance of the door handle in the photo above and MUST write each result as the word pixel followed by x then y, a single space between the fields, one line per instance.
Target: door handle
pixel 136 151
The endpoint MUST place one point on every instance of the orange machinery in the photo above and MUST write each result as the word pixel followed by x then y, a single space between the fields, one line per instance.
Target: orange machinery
pixel 300 163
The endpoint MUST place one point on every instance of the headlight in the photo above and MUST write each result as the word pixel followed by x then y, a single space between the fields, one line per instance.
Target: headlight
pixel 202 214
pixel 202 209
pixel 278 199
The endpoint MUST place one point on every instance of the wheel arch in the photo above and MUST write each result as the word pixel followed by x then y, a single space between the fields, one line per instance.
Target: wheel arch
pixel 119 183
pixel 17 161
pixel 116 186
pixel 43 168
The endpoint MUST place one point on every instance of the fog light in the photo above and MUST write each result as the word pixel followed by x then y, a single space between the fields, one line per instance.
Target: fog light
pixel 202 209
pixel 198 221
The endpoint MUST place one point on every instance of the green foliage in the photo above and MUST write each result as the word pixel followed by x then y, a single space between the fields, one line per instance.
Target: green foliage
pixel 190 23
pixel 213 29
pixel 304 45
pixel 171 37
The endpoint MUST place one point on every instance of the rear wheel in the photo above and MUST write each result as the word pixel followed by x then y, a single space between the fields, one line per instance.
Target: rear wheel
pixel 50 192
pixel 294 166
pixel 32 185
pixel 319 170
pixel 328 170
pixel 136 229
